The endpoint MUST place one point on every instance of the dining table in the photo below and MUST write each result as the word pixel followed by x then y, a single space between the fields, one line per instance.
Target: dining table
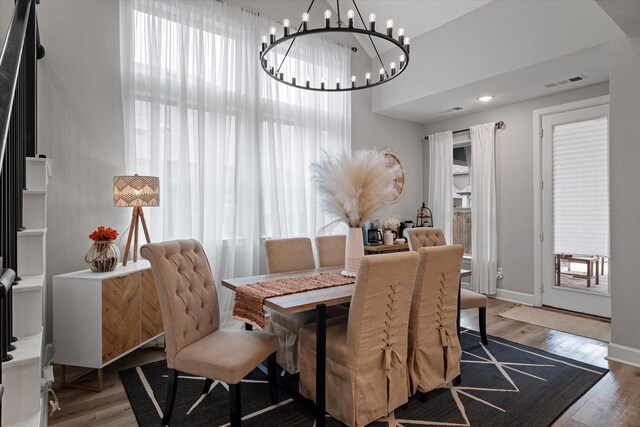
pixel 318 300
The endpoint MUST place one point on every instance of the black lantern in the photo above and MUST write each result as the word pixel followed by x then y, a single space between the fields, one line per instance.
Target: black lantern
pixel 424 218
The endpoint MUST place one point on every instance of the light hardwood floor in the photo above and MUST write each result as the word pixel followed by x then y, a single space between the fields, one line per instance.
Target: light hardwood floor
pixel 614 401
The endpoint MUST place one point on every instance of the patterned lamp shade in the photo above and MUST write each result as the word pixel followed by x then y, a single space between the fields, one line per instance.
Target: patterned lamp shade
pixel 135 190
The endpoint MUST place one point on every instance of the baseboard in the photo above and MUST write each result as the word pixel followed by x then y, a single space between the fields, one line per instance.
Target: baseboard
pixel 624 354
pixel 513 296
pixel 519 297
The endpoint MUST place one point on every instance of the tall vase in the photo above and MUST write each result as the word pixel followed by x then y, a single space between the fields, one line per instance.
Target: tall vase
pixel 354 252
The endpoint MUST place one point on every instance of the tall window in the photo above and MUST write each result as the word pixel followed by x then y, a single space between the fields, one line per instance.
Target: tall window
pixel 232 147
pixel 462 197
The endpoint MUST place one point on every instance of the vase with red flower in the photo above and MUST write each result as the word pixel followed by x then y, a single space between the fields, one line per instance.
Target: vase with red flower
pixel 104 253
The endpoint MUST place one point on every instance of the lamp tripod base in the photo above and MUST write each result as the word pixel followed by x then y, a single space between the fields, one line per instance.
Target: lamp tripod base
pixel 136 218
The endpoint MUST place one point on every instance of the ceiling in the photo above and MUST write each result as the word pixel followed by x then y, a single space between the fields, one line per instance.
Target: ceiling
pixel 463 49
pixel 415 16
pixel 514 86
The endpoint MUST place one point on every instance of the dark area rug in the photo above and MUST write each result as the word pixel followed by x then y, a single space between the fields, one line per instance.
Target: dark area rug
pixel 503 384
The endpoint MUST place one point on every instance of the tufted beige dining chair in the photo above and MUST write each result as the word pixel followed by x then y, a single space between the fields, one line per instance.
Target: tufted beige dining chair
pixel 283 256
pixel 195 343
pixel 426 236
pixel 331 250
pixel 434 347
pixel 366 356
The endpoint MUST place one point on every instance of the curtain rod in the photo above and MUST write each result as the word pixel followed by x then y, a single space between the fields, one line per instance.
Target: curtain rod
pixel 499 125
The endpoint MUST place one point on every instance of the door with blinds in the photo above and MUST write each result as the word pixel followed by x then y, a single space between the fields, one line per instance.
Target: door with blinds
pixel 575 210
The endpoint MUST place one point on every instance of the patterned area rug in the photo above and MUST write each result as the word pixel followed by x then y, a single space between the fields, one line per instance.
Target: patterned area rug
pixel 503 384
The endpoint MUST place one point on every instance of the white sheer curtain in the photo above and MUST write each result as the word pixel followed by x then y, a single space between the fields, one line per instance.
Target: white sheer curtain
pixel 484 237
pixel 232 148
pixel 441 181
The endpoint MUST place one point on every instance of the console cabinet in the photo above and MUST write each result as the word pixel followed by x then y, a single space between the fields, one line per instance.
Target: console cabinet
pixel 100 317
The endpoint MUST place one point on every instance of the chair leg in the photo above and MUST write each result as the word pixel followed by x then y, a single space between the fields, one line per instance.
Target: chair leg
pixel 235 416
pixel 272 370
pixel 482 319
pixel 457 380
pixel 172 376
pixel 207 386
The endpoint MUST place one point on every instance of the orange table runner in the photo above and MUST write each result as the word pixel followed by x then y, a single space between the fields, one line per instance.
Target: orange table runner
pixel 249 299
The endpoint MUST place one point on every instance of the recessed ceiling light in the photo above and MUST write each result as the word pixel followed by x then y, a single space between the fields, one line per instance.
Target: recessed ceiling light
pixel 485 98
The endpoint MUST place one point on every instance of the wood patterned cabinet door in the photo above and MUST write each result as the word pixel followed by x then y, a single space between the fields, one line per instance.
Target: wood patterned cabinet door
pixel 150 307
pixel 120 315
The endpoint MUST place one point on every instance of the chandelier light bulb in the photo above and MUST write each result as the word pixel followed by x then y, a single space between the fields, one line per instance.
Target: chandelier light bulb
pixel 401 36
pixel 305 21
pixel 308 84
pixel 372 22
pixel 322 84
pixel 338 84
pixel 293 80
pixel 390 28
pixel 381 74
pixel 353 81
pixel 272 34
pixel 403 60
pixel 393 68
pixel 287 25
pixel 351 15
pixel 407 42
pixel 327 18
pixel 264 43
pixel 367 78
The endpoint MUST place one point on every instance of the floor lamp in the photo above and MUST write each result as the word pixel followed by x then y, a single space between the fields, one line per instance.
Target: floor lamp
pixel 135 191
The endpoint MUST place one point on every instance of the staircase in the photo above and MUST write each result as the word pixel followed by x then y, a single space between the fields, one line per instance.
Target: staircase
pixel 25 401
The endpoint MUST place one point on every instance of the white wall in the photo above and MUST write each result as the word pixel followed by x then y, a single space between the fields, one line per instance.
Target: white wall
pixel 404 138
pixel 514 178
pixel 80 126
pixel 625 199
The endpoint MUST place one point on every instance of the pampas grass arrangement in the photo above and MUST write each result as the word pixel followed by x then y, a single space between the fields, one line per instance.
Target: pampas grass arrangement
pixel 353 187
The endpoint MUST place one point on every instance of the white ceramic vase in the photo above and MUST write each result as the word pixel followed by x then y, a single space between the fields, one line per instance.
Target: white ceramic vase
pixel 354 252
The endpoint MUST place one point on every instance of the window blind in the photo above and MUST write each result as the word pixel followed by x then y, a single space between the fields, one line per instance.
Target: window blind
pixel 581 187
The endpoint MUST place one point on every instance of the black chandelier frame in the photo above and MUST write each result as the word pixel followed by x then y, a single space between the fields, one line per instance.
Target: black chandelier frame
pixel 348 86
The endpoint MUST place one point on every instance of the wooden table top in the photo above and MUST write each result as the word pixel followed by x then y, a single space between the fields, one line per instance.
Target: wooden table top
pixel 302 301
pixel 387 248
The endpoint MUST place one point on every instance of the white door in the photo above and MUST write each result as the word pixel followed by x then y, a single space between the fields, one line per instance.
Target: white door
pixel 575 210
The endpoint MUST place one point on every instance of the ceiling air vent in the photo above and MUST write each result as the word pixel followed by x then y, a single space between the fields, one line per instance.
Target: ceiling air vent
pixel 450 110
pixel 573 79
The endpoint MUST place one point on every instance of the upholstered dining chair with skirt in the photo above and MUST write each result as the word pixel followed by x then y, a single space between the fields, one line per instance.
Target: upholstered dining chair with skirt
pixel 330 250
pixel 434 347
pixel 283 256
pixel 195 343
pixel 366 368
pixel 423 237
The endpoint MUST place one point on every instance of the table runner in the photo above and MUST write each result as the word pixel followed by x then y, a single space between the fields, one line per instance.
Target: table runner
pixel 249 299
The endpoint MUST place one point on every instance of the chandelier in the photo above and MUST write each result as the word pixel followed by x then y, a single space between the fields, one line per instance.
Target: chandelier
pixel 385 74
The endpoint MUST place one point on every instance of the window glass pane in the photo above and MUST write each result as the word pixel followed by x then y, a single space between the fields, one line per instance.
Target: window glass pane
pixel 462 197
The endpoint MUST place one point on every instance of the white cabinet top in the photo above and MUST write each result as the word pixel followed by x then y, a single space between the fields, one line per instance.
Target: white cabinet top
pixel 131 267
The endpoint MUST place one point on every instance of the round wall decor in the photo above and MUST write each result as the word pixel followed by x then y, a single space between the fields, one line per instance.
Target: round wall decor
pixel 393 161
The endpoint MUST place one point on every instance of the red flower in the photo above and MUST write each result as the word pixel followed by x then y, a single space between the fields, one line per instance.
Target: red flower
pixel 102 233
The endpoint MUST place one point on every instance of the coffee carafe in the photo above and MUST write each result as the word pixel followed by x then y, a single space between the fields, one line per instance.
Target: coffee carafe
pixel 374 237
